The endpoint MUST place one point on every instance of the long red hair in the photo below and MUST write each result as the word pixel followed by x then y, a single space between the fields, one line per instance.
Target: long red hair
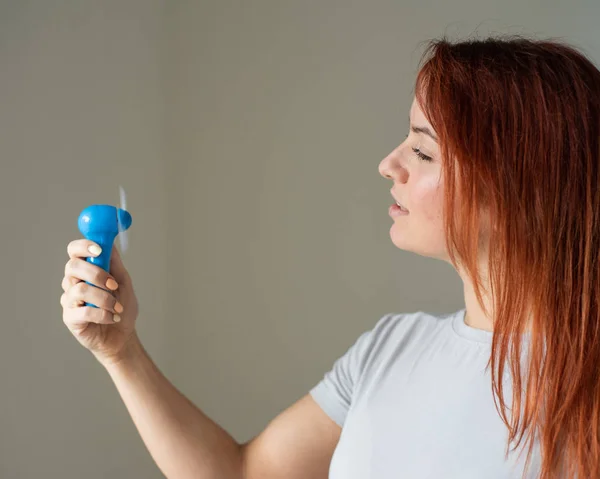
pixel 520 119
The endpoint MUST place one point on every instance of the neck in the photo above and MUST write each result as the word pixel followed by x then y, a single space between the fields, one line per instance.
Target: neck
pixel 478 324
pixel 475 316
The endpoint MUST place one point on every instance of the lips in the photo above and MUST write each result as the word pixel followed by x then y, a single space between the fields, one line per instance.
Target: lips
pixel 399 203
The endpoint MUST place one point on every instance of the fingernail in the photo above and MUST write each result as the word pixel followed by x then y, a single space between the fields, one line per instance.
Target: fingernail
pixel 116 318
pixel 111 284
pixel 118 307
pixel 95 249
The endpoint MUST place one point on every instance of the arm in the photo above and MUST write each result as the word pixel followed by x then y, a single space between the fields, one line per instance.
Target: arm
pixel 182 440
pixel 297 444
pixel 185 443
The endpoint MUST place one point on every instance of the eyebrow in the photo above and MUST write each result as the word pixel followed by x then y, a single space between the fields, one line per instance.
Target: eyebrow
pixel 423 129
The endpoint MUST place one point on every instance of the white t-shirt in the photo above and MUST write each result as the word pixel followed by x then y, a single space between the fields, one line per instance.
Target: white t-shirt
pixel 414 401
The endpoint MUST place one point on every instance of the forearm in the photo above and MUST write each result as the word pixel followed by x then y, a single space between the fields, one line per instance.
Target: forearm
pixel 183 441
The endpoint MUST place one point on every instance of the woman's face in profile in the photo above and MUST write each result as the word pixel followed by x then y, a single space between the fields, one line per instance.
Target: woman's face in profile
pixel 415 169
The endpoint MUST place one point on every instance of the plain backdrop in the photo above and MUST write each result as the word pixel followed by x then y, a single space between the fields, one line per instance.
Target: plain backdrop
pixel 247 136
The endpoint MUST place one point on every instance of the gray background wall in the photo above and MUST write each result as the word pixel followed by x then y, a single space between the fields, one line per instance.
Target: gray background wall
pixel 247 136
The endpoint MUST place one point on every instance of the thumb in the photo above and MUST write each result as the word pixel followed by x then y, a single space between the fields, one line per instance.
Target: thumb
pixel 117 268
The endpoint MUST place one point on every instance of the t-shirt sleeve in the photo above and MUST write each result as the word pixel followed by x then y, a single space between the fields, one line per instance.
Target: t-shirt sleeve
pixel 335 392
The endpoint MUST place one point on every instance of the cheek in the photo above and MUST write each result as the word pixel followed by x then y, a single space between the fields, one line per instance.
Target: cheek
pixel 428 197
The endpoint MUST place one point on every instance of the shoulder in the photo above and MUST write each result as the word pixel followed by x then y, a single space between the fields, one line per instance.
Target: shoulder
pixel 403 331
pixel 392 334
pixel 410 325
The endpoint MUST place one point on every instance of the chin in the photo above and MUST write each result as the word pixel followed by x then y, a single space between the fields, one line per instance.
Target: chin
pixel 402 239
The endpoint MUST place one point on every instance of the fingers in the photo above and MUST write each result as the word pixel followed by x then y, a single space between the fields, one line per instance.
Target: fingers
pixel 81 293
pixel 69 281
pixel 83 248
pixel 87 314
pixel 66 303
pixel 77 270
pixel 77 291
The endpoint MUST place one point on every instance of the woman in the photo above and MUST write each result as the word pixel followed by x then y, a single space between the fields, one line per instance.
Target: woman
pixel 498 176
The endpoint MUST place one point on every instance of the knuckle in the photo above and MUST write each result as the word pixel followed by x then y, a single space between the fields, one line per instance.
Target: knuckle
pixel 69 296
pixel 107 316
pixel 76 247
pixel 87 313
pixel 68 282
pixel 100 276
pixel 72 248
pixel 78 289
pixel 70 293
pixel 72 267
pixel 108 301
pixel 79 292
pixel 68 267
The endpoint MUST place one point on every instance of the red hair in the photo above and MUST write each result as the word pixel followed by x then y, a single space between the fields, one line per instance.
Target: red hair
pixel 520 119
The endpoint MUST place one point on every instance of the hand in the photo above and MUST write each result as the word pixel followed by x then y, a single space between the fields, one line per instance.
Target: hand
pixel 108 330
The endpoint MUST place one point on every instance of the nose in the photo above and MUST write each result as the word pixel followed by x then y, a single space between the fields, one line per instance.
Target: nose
pixel 390 167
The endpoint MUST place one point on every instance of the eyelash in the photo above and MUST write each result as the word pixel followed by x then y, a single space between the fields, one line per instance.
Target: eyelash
pixel 420 154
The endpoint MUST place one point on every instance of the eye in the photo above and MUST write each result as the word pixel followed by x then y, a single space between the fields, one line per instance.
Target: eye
pixel 421 155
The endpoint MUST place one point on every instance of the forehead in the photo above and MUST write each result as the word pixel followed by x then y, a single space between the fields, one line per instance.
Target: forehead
pixel 417 116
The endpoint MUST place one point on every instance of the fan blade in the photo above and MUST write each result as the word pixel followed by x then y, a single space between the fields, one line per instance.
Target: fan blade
pixel 123 235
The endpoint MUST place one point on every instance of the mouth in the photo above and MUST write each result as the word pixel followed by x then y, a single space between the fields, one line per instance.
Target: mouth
pixel 402 207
